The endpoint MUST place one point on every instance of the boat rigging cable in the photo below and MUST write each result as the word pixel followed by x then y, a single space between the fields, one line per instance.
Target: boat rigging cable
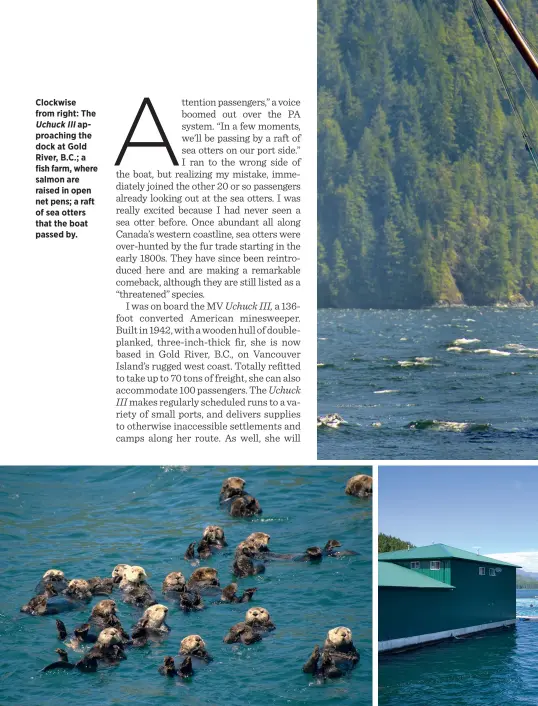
pixel 485 33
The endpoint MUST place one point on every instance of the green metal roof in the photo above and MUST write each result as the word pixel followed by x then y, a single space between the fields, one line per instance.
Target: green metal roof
pixel 396 575
pixel 440 551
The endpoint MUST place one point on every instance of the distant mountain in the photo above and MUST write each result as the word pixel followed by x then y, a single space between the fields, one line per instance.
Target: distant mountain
pixel 526 579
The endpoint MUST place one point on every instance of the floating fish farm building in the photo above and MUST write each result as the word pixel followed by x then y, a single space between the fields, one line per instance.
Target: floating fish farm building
pixel 433 593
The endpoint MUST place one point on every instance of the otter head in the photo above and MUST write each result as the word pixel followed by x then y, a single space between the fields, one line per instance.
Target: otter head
pixel 232 486
pixel 109 637
pixel 332 544
pixel 257 616
pixel 134 575
pixel 79 588
pixel 53 575
pixel 314 553
pixel 339 637
pixel 118 571
pixel 213 534
pixel 248 548
pixel 104 609
pixel 359 485
pixel 205 575
pixel 154 616
pixel 174 581
pixel 190 644
pixel 260 540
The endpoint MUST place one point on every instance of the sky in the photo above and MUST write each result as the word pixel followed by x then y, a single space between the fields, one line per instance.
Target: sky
pixel 491 510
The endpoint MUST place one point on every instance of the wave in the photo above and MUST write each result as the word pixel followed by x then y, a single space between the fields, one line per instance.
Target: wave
pixel 332 421
pixel 384 392
pixel 438 425
pixel 416 362
pixel 491 351
pixel 520 348
pixel 326 365
pixel 463 341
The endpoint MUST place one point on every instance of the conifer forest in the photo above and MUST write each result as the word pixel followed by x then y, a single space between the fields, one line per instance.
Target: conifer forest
pixel 427 180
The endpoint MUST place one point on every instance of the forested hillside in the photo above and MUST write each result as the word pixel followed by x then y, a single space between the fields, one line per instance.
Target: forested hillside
pixel 426 191
pixel 388 543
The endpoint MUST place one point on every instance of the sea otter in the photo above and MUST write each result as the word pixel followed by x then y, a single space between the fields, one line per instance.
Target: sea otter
pixel 54 578
pixel 360 486
pixel 204 579
pixel 245 506
pixel 109 646
pixel 244 564
pixel 134 588
pixel 50 602
pixel 151 625
pixel 330 549
pixel 103 616
pixel 238 502
pixel 232 487
pixel 118 572
pixel 229 594
pixel 339 655
pixel 168 668
pixel 86 664
pixel 212 538
pixel 101 586
pixel 257 621
pixel 191 600
pixel 39 605
pixel 194 647
pixel 312 554
pixel 78 590
pixel 174 583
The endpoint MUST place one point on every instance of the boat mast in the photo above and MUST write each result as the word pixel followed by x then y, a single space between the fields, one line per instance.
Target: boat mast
pixel 515 35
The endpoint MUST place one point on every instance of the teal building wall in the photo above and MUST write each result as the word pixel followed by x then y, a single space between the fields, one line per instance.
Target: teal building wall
pixel 475 600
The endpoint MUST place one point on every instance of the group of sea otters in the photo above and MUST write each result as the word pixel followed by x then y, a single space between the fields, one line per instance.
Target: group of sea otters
pixel 108 639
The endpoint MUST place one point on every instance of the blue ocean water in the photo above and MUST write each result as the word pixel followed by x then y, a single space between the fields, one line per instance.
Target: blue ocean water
pixel 386 370
pixel 86 520
pixel 492 669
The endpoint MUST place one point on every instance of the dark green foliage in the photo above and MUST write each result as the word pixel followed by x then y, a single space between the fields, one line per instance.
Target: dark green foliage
pixel 426 192
pixel 388 543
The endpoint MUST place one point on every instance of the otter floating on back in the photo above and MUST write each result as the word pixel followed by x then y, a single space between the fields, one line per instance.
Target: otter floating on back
pixel 339 655
pixel 238 502
pixel 257 621
pixel 51 602
pixel 151 624
pixel 212 539
pixel 194 646
pixel 134 588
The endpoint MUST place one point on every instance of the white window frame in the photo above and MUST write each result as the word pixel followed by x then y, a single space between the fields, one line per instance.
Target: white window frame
pixel 435 566
pixel 481 570
pixel 415 564
pixel 492 572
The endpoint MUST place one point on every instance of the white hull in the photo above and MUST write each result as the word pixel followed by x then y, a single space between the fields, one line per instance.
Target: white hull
pixel 415 640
